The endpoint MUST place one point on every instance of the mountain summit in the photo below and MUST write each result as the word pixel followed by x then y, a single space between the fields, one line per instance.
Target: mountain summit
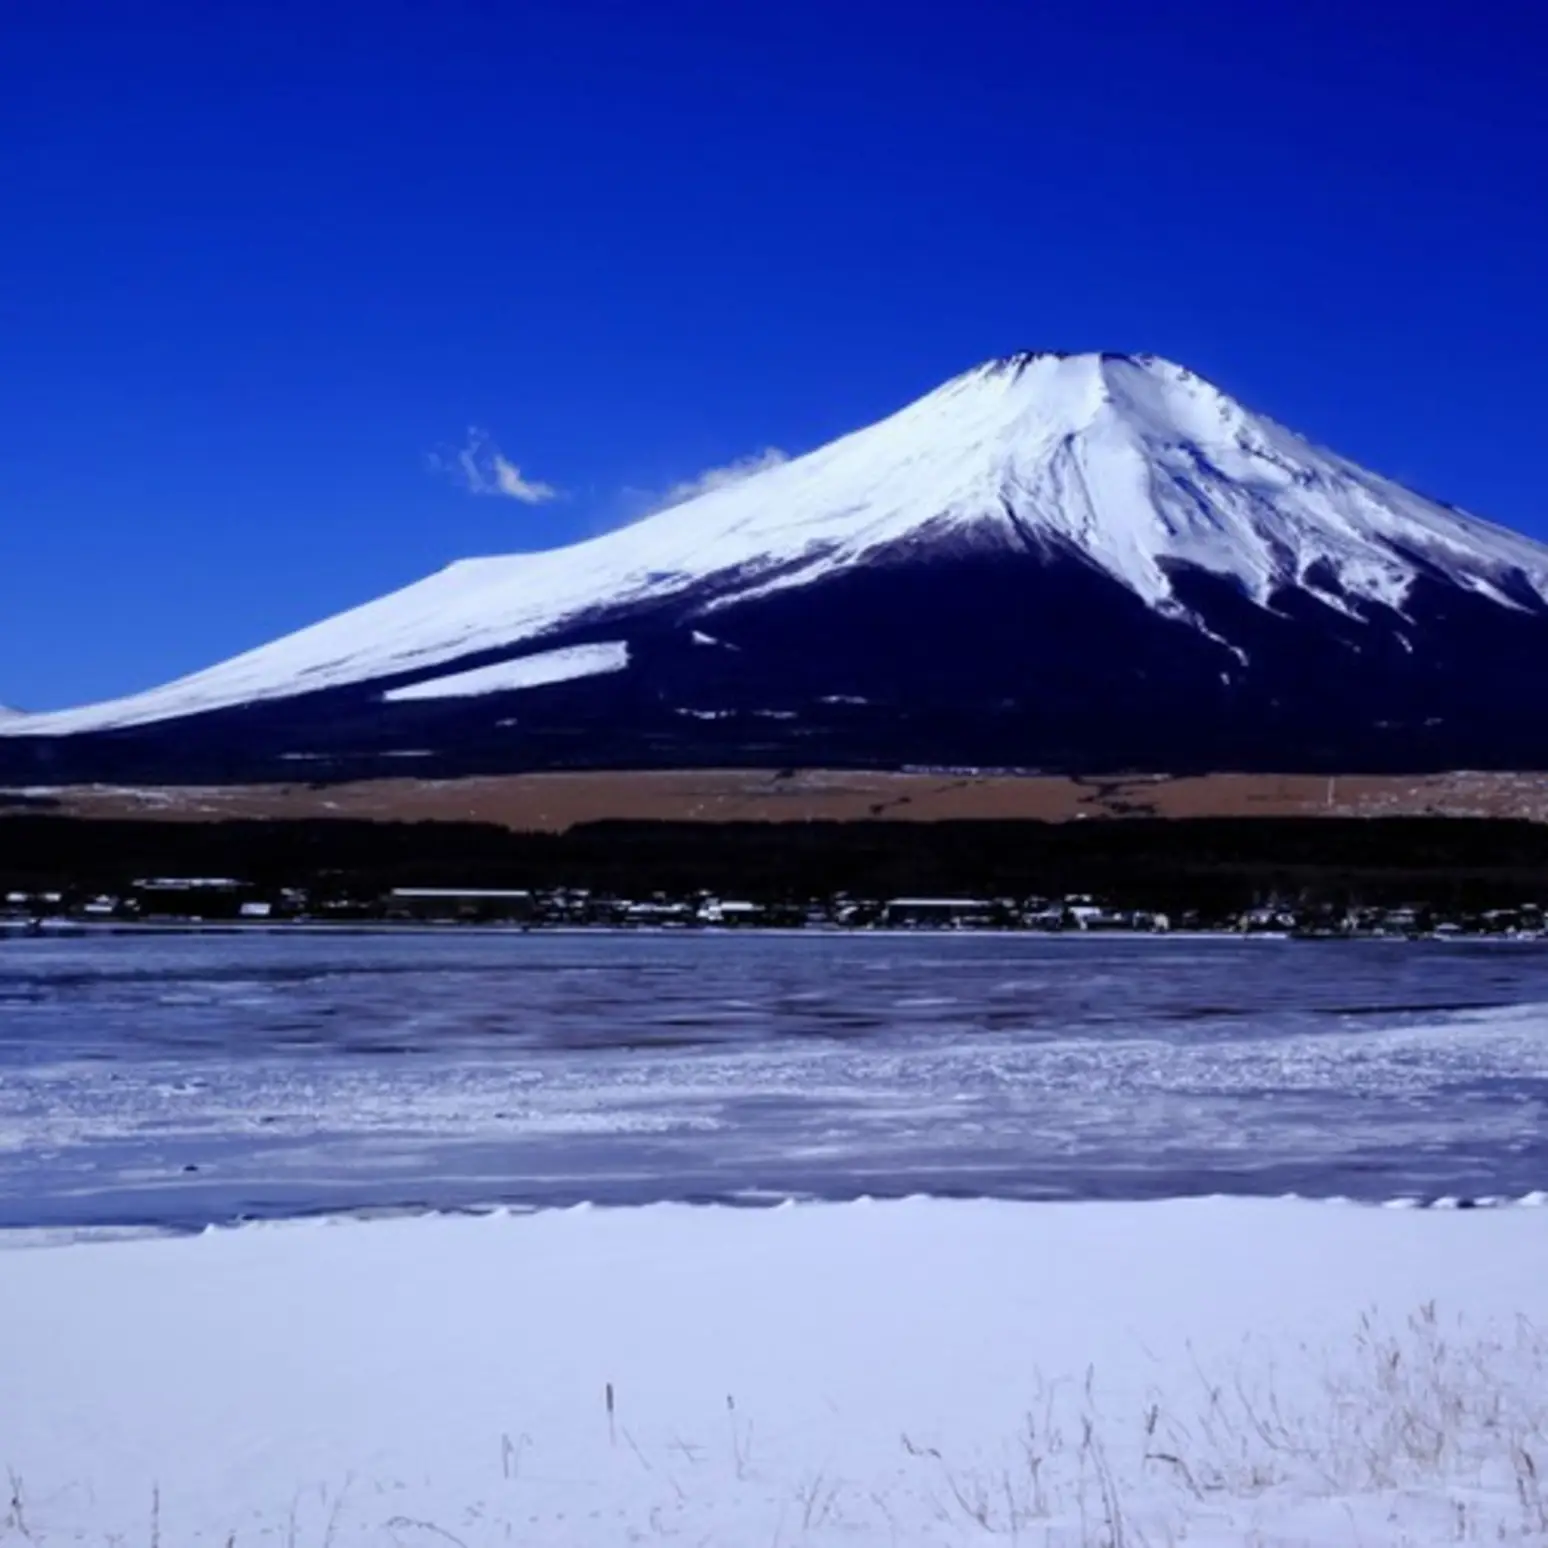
pixel 1051 561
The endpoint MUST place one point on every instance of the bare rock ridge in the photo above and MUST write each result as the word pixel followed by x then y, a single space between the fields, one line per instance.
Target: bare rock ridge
pixel 1052 562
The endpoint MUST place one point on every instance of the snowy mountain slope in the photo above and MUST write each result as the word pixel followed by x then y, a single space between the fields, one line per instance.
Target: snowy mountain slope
pixel 1134 465
pixel 934 570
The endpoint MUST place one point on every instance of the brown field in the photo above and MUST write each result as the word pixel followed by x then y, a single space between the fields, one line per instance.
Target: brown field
pixel 554 802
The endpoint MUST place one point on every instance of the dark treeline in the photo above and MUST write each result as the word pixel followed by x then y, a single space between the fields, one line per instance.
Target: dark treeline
pixel 1207 863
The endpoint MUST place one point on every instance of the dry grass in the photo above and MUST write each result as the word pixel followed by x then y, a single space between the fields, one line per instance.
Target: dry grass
pixel 1418 1432
pixel 1420 1411
pixel 555 802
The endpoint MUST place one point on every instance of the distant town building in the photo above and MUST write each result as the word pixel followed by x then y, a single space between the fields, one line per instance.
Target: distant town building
pixel 189 897
pixel 905 913
pixel 460 905
pixel 715 911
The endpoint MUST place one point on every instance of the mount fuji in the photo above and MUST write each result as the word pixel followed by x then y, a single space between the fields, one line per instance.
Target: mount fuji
pixel 1053 562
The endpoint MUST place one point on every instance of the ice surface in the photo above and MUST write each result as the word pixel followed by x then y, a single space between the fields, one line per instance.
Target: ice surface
pixel 1216 1372
pixel 194 1079
pixel 1130 463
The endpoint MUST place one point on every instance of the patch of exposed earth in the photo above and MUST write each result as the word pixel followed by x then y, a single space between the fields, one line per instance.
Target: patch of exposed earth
pixel 553 802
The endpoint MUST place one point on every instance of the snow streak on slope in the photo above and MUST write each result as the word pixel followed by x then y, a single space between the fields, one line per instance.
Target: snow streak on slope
pixel 549 666
pixel 1132 465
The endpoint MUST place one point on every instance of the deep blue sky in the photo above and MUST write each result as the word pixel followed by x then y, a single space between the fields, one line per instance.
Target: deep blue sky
pixel 258 259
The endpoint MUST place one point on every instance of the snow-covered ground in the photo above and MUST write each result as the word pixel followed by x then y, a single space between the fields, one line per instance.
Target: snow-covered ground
pixel 1205 1372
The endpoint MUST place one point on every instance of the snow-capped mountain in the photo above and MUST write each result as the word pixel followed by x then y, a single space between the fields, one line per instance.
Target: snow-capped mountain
pixel 1051 561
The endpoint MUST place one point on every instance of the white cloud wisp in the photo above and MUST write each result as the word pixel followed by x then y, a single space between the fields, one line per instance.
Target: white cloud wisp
pixel 482 469
pixel 723 477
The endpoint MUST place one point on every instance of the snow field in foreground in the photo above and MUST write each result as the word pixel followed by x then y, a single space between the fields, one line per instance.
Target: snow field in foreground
pixel 1202 1371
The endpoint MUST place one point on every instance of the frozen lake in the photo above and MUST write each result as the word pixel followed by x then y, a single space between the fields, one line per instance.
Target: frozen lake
pixel 177 1080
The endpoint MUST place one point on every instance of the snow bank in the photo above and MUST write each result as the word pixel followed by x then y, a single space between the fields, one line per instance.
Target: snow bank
pixel 916 1372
